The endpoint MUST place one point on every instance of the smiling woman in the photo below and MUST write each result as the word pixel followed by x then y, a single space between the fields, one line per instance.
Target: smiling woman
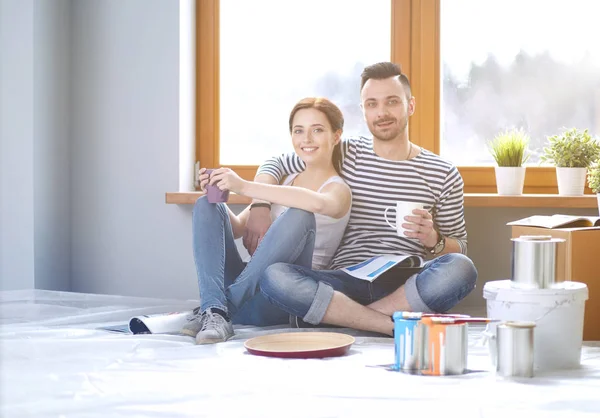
pixel 307 237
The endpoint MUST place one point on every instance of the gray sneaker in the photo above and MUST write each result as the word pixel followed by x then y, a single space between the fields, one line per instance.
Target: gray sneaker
pixel 194 324
pixel 215 329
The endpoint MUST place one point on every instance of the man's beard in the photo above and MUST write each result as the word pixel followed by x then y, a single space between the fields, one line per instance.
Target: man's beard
pixel 390 134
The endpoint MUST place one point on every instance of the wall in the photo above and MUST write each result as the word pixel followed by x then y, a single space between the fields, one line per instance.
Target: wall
pixel 34 166
pixel 125 151
pixel 51 151
pixel 16 108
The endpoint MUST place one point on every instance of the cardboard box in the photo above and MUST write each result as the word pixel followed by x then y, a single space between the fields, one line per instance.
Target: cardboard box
pixel 578 260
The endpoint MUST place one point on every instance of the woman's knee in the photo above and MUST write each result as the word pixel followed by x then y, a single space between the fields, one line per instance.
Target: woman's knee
pixel 300 217
pixel 203 207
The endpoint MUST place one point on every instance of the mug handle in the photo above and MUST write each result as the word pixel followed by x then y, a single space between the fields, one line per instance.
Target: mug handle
pixel 386 218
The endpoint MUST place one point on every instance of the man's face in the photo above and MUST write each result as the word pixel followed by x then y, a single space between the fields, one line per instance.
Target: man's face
pixel 386 108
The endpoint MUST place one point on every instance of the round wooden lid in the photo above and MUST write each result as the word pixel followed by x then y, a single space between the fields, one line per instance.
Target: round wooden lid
pixel 300 344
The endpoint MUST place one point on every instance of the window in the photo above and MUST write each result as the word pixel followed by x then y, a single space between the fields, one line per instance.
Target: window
pixel 451 54
pixel 243 99
pixel 310 49
pixel 518 63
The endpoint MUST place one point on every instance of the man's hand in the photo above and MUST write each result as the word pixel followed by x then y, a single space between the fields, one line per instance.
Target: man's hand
pixel 227 179
pixel 258 223
pixel 421 227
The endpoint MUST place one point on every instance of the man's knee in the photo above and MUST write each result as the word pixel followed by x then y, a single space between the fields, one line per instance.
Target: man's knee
pixel 462 269
pixel 450 278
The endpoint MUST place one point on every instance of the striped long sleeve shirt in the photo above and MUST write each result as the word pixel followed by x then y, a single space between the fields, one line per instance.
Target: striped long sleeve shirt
pixel 378 183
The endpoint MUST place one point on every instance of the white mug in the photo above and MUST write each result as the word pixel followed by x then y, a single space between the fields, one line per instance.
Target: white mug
pixel 402 209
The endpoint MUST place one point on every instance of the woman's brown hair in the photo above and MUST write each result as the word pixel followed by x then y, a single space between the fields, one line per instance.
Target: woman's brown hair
pixel 334 117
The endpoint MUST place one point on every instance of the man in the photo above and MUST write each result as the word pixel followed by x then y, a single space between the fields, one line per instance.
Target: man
pixel 380 172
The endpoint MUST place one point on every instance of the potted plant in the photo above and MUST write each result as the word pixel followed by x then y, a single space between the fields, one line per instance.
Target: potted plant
pixel 594 180
pixel 509 150
pixel 571 152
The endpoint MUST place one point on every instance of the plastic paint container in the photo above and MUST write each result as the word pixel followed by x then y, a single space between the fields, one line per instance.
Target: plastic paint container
pixel 557 313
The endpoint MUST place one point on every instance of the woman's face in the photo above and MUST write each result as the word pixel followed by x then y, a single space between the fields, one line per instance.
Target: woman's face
pixel 313 137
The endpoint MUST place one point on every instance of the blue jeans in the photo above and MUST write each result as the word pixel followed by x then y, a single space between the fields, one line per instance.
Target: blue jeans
pixel 225 281
pixel 306 293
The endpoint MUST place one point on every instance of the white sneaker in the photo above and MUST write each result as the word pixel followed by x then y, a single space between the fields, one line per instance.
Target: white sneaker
pixel 215 329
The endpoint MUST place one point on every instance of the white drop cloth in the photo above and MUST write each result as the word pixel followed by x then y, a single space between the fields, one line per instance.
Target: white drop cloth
pixel 55 363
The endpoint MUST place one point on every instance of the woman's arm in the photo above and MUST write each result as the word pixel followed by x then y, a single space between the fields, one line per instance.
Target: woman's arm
pixel 334 200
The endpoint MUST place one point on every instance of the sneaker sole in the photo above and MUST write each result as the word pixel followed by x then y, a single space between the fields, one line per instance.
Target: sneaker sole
pixel 210 341
pixel 188 333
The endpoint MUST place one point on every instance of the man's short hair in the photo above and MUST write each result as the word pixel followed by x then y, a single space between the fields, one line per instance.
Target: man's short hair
pixel 383 70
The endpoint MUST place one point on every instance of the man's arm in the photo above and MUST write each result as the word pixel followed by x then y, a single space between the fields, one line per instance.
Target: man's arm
pixel 272 172
pixel 259 218
pixel 279 167
pixel 238 222
pixel 290 163
pixel 450 214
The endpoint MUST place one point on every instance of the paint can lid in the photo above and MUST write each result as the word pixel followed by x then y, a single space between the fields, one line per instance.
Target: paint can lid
pixel 407 315
pixel 443 320
pixel 518 324
pixel 536 237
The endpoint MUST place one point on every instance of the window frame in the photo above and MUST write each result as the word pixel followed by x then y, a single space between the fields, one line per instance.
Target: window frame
pixel 415 44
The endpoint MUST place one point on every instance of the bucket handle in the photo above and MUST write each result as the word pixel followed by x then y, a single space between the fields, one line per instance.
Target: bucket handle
pixel 488 336
pixel 549 310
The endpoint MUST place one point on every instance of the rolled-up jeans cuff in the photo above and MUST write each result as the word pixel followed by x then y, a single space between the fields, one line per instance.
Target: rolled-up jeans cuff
pixel 413 297
pixel 317 309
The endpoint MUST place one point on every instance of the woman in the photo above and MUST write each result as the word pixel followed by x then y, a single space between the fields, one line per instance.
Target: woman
pixel 228 286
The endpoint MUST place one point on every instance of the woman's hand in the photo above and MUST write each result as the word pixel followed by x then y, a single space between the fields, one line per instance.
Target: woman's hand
pixel 203 179
pixel 227 179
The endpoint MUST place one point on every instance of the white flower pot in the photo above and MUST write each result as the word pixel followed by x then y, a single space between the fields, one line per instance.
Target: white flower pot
pixel 598 196
pixel 571 180
pixel 510 180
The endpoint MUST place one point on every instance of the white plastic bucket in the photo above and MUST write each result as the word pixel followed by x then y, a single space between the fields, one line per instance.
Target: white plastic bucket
pixel 557 312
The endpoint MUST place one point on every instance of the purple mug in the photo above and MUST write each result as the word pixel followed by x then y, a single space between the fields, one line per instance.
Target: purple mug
pixel 214 194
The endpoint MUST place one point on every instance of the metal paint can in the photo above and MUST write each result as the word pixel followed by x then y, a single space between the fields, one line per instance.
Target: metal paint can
pixel 445 347
pixel 407 341
pixel 515 349
pixel 534 260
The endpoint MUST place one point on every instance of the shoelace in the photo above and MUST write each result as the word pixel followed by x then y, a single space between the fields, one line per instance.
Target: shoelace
pixel 197 315
pixel 212 320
